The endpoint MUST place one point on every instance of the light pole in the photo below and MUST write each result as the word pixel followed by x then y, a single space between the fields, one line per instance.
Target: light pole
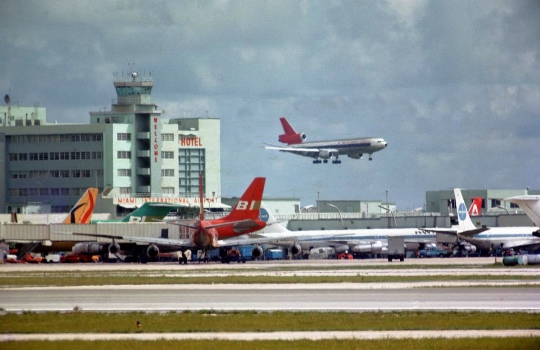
pixel 391 212
pixel 386 203
pixel 318 198
pixel 339 212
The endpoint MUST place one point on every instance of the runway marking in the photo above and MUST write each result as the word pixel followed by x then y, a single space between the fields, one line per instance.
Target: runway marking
pixel 288 336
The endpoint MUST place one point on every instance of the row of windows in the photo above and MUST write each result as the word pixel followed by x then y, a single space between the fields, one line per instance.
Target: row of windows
pixel 14 157
pixel 55 138
pixel 24 192
pixel 122 136
pixel 124 172
pixel 167 172
pixel 167 154
pixel 123 155
pixel 167 137
pixel 44 174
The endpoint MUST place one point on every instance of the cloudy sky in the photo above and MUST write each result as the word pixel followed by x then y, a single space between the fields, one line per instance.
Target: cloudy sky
pixel 453 86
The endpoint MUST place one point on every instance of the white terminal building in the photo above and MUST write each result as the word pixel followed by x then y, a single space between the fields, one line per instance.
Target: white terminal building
pixel 131 153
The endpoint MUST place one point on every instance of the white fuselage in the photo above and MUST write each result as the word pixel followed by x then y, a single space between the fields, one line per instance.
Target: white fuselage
pixel 353 146
pixel 505 237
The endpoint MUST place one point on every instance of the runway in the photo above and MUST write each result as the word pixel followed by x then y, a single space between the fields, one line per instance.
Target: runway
pixel 272 297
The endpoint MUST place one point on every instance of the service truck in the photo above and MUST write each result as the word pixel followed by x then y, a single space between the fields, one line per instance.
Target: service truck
pixel 396 248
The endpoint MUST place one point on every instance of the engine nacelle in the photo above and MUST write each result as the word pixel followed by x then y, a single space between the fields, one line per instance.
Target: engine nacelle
pixel 468 248
pixel 256 252
pixel 152 251
pixel 87 248
pixel 355 155
pixel 341 248
pixel 326 154
pixel 375 247
pixel 295 249
pixel 114 248
pixel 292 139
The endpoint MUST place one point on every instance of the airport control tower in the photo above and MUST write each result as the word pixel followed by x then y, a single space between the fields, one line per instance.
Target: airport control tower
pixel 134 164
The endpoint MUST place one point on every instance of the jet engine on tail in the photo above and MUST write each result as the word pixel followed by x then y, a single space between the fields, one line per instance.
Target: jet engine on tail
pixel 290 136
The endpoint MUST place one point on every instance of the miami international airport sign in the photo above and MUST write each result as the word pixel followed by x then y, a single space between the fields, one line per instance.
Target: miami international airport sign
pixel 132 202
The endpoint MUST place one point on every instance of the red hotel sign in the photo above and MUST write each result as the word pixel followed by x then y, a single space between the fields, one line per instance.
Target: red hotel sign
pixel 190 141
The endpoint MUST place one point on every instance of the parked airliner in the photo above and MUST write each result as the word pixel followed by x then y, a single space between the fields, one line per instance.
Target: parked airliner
pixel 354 148
pixel 530 204
pixel 494 237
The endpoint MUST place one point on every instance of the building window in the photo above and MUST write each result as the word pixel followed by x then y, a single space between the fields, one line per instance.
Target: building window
pixel 514 206
pixel 85 155
pixel 55 173
pixel 43 191
pixel 167 154
pixel 76 191
pixel 495 203
pixel 99 172
pixel 33 192
pixel 97 155
pixel 75 155
pixel 167 190
pixel 167 137
pixel 34 156
pixel 124 155
pixel 23 156
pixel 64 191
pixel 55 191
pixel 43 156
pixel 121 136
pixel 23 192
pixel 167 172
pixel 64 155
pixel 75 173
pixel 124 172
pixel 54 156
pixel 125 190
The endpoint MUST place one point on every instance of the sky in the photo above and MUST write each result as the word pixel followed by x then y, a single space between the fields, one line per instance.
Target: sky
pixel 452 86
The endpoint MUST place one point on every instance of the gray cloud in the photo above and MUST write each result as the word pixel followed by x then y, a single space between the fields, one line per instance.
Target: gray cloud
pixel 452 86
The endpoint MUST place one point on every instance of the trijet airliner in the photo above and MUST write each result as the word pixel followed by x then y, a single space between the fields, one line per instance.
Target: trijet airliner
pixel 354 148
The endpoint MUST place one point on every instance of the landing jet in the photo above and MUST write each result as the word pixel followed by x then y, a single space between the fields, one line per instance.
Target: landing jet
pixel 354 148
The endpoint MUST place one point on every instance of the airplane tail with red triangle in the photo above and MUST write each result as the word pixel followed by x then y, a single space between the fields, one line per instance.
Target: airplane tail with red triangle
pixel 476 207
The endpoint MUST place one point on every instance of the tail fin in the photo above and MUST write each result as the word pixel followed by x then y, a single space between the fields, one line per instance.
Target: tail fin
pixel 289 130
pixel 465 222
pixel 290 136
pixel 150 212
pixel 81 213
pixel 476 207
pixel 272 225
pixel 249 204
pixel 530 205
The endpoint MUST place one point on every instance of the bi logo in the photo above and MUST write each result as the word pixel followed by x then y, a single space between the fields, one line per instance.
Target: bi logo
pixel 462 212
pixel 263 215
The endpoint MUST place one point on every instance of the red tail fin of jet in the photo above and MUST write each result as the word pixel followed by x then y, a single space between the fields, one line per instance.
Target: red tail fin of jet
pixel 290 136
pixel 82 211
pixel 250 203
pixel 476 207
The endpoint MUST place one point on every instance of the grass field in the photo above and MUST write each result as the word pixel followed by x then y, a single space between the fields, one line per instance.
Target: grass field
pixel 210 321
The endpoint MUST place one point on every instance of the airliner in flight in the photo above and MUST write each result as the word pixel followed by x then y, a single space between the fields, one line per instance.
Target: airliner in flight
pixel 354 148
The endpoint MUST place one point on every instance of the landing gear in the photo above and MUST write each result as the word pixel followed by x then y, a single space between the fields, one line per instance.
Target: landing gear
pixel 337 161
pixel 370 158
pixel 325 161
pixel 316 161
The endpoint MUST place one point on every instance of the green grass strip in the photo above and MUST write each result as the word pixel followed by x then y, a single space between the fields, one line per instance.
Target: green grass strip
pixel 57 280
pixel 210 321
pixel 386 344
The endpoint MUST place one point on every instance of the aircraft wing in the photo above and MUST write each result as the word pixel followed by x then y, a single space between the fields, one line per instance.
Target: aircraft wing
pixel 308 152
pixel 134 239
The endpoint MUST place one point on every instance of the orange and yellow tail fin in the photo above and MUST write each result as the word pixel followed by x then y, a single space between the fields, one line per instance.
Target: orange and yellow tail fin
pixel 82 211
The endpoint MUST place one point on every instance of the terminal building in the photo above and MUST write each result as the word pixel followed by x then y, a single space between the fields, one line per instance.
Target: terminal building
pixel 131 153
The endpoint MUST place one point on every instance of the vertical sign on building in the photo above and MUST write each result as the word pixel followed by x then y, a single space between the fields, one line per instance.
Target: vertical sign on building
pixel 156 138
